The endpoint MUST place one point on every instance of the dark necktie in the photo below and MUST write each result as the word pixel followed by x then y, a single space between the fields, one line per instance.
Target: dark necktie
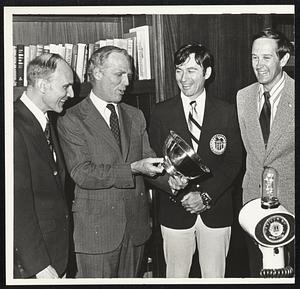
pixel 265 116
pixel 47 133
pixel 194 126
pixel 114 123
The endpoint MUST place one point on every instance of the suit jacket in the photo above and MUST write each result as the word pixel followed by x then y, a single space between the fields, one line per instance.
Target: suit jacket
pixel 280 151
pixel 219 118
pixel 41 224
pixel 108 198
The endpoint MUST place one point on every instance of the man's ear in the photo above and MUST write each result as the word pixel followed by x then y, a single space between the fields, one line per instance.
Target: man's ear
pixel 208 73
pixel 284 60
pixel 97 73
pixel 42 84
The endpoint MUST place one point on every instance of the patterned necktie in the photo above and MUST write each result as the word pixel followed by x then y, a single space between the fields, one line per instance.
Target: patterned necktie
pixel 114 123
pixel 47 133
pixel 194 126
pixel 265 116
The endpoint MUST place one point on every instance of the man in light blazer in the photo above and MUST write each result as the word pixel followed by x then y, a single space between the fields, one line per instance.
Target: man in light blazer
pixel 107 152
pixel 198 216
pixel 41 218
pixel 270 53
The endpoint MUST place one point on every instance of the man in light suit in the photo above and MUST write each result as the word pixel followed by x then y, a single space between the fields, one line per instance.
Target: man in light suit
pixel 41 220
pixel 202 215
pixel 107 151
pixel 270 53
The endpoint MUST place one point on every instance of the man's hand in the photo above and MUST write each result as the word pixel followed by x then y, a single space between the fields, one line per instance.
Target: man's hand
pixel 193 203
pixel 147 166
pixel 48 273
pixel 177 183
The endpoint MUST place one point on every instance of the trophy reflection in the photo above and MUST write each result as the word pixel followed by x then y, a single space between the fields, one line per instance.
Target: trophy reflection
pixel 181 160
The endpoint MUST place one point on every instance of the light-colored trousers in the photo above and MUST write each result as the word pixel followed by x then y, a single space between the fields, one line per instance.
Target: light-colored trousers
pixel 180 245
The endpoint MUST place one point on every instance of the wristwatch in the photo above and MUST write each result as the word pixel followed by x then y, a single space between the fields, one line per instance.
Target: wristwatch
pixel 206 199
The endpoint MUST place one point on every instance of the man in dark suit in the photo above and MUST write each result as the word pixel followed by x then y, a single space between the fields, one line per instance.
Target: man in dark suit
pixel 41 225
pixel 276 148
pixel 201 213
pixel 107 151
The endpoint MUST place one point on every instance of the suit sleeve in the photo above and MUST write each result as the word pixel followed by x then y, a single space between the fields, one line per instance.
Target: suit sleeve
pixel 84 171
pixel 226 173
pixel 29 246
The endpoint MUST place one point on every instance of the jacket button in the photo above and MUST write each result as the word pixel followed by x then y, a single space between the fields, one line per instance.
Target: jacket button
pixel 55 173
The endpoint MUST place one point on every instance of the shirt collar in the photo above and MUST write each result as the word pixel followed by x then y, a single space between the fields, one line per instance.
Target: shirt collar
pixel 101 104
pixel 39 115
pixel 200 99
pixel 275 91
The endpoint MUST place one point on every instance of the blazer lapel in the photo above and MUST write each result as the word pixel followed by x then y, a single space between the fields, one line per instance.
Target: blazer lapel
pixel 179 122
pixel 125 129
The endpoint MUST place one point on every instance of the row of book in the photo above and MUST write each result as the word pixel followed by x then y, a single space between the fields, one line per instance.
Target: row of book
pixel 137 43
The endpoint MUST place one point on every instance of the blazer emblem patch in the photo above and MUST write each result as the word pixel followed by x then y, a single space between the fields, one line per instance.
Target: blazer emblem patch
pixel 218 144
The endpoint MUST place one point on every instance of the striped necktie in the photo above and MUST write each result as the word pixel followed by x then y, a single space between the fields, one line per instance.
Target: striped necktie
pixel 48 136
pixel 114 123
pixel 265 117
pixel 194 126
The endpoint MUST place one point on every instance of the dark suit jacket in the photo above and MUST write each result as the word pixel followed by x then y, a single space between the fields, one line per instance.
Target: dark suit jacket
pixel 108 199
pixel 219 118
pixel 41 230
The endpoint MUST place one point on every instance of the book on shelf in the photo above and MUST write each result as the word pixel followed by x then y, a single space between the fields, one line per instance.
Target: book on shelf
pixel 143 51
pixel 32 51
pixel 132 50
pixel 81 47
pixel 39 49
pixel 68 53
pixel 14 65
pixel 20 64
pixel 26 61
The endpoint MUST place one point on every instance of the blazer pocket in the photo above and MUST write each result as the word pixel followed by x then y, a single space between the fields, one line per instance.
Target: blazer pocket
pixel 47 226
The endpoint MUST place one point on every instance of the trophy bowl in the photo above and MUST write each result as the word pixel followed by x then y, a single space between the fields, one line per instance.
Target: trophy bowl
pixel 181 160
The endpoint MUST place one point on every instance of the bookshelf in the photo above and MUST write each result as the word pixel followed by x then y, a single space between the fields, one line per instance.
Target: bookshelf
pixel 44 29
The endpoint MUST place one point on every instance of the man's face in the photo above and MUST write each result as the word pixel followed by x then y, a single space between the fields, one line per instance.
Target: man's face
pixel 114 77
pixel 59 88
pixel 190 77
pixel 265 62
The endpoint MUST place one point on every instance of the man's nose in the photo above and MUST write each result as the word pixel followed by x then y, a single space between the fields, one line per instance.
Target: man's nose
pixel 70 92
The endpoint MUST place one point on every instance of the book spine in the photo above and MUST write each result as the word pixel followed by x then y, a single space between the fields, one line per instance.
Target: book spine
pixel 20 65
pixel 26 61
pixel 80 61
pixel 15 65
pixel 69 52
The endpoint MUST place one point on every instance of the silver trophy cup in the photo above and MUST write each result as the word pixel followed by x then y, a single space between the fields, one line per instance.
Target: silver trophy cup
pixel 181 160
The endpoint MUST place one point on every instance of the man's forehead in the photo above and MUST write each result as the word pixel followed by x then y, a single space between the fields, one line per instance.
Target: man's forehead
pixel 189 62
pixel 266 44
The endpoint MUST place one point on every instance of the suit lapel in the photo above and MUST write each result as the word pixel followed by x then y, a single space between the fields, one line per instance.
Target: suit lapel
pixel 34 129
pixel 284 115
pixel 254 129
pixel 125 129
pixel 97 123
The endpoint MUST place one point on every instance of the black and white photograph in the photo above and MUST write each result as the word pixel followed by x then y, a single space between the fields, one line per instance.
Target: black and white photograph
pixel 149 144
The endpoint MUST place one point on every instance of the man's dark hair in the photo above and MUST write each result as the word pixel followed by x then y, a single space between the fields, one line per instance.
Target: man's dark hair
pixel 202 55
pixel 283 44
